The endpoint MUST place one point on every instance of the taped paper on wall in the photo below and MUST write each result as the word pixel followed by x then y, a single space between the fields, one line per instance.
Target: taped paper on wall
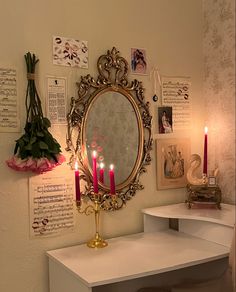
pixel 51 205
pixel 9 111
pixel 56 100
pixel 70 52
pixel 176 93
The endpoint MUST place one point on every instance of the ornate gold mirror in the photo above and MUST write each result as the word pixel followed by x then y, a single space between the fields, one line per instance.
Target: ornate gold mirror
pixel 111 117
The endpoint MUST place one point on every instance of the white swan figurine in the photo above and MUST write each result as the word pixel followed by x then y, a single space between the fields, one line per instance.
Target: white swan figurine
pixel 193 179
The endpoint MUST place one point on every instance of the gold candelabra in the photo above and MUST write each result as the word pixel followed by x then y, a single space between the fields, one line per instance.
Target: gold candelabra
pixel 98 204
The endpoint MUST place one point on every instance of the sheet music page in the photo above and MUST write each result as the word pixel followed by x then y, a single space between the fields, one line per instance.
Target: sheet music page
pixel 176 93
pixel 9 111
pixel 51 204
pixel 56 100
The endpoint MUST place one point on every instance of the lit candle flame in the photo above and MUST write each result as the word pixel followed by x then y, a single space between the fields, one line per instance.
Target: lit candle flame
pixel 101 165
pixel 76 165
pixel 206 130
pixel 94 154
pixel 111 166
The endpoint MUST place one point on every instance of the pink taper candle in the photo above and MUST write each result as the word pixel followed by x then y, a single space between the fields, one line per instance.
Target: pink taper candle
pixel 95 178
pixel 101 173
pixel 77 184
pixel 112 180
pixel 205 152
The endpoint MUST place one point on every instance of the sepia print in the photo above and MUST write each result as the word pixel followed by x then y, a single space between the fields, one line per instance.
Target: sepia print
pixel 172 162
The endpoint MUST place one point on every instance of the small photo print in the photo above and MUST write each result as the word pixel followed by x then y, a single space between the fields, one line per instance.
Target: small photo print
pixel 138 61
pixel 70 52
pixel 165 123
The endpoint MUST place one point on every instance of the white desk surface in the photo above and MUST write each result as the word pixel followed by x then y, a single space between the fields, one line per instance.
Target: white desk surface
pixel 135 256
pixel 225 216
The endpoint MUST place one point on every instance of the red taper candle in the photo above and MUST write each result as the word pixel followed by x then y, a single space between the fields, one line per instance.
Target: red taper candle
pixel 205 152
pixel 112 180
pixel 77 184
pixel 95 178
pixel 101 173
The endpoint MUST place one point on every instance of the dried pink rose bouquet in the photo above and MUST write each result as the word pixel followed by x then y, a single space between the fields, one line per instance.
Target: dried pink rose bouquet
pixel 36 150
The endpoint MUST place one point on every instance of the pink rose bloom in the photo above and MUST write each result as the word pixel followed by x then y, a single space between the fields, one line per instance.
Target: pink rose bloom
pixel 43 165
pixel 39 165
pixel 31 163
pixel 60 158
pixel 17 163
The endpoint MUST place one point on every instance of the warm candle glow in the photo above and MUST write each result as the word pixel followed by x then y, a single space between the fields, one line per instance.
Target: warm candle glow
pixel 94 154
pixel 206 130
pixel 111 166
pixel 101 165
pixel 76 165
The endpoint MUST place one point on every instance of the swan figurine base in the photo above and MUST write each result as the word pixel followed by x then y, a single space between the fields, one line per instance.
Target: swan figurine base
pixel 193 171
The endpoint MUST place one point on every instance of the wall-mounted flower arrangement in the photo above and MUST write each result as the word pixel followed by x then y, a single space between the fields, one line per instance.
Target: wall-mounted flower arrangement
pixel 36 150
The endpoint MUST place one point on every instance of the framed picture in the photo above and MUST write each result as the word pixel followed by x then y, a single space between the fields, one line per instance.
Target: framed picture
pixel 172 162
pixel 138 61
pixel 165 122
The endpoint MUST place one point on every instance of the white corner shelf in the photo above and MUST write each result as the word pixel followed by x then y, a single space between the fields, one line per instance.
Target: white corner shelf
pixel 207 224
pixel 225 216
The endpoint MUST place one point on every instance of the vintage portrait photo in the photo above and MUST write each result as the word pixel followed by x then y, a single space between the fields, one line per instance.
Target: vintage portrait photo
pixel 138 61
pixel 165 121
pixel 172 162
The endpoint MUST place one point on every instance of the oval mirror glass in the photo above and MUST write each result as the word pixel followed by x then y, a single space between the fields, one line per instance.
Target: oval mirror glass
pixel 112 130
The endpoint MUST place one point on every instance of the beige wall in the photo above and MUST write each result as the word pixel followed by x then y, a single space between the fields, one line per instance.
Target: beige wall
pixel 171 33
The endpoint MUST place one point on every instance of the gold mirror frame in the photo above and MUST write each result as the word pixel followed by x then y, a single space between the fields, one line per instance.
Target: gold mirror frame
pixel 113 76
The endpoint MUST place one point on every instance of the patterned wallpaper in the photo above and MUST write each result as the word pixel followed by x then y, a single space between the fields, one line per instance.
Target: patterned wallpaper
pixel 219 90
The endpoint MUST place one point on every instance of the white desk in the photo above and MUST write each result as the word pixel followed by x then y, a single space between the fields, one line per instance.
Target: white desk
pixel 131 258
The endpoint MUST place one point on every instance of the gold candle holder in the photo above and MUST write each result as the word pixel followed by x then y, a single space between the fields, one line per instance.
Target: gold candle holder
pixel 97 241
pixel 204 179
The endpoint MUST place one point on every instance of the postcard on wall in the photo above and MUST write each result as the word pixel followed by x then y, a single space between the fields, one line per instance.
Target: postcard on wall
pixel 70 52
pixel 172 162
pixel 138 61
pixel 9 107
pixel 176 93
pixel 165 123
pixel 56 99
pixel 51 204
